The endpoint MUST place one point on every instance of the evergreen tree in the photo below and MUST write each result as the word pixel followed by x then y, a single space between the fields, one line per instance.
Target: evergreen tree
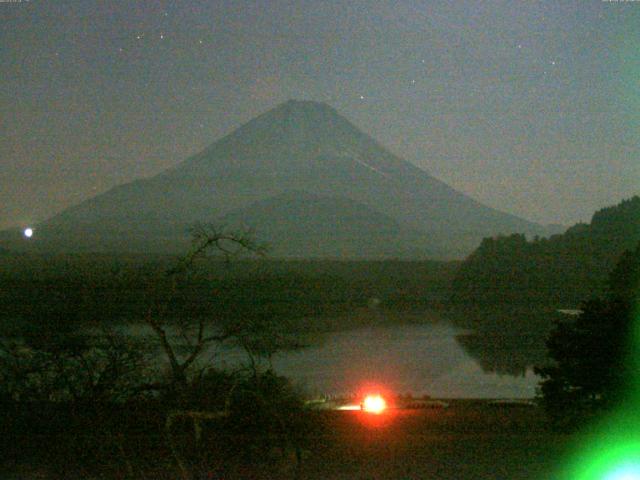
pixel 591 353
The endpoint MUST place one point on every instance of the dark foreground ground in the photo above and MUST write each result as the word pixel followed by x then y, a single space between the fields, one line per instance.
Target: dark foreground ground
pixel 468 440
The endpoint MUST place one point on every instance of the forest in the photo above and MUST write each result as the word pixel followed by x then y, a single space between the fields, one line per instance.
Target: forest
pixel 558 272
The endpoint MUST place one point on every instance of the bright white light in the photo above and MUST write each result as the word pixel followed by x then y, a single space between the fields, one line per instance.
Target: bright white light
pixel 28 232
pixel 625 472
pixel 374 404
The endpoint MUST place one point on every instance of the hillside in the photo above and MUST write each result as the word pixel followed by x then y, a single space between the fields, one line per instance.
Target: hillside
pixel 297 224
pixel 560 271
pixel 304 147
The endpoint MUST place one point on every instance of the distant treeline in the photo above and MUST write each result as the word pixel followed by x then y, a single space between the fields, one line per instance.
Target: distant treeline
pixel 510 290
pixel 66 291
pixel 560 271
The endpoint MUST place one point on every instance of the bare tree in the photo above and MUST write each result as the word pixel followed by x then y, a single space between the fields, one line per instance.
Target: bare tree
pixel 194 335
pixel 259 336
pixel 80 367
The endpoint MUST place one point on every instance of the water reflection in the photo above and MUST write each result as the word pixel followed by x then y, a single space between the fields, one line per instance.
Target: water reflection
pixel 509 340
pixel 421 359
pixel 508 354
pixel 441 358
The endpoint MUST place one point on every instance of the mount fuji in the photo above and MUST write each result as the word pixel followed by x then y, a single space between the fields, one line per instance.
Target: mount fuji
pixel 305 179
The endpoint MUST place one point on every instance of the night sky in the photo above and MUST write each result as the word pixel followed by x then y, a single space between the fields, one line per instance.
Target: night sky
pixel 530 107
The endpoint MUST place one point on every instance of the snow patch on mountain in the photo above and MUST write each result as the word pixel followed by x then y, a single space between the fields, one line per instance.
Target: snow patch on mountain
pixel 351 155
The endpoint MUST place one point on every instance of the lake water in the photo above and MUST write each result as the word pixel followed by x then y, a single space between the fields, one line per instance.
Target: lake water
pixel 415 358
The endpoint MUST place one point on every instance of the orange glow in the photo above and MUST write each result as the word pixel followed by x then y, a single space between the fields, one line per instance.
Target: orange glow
pixel 374 404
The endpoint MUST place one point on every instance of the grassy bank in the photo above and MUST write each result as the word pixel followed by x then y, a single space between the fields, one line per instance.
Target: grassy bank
pixel 468 440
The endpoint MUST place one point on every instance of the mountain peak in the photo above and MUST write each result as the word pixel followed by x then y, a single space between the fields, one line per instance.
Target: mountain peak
pixel 289 129
pixel 307 111
pixel 305 105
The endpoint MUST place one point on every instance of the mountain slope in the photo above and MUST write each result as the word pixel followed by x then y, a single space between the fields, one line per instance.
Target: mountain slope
pixel 297 146
pixel 298 224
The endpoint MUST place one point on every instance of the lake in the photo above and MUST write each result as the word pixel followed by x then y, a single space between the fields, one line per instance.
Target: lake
pixel 426 355
pixel 415 358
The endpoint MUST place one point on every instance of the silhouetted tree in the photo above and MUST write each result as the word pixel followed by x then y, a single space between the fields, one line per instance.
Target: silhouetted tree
pixel 85 369
pixel 182 338
pixel 259 405
pixel 591 353
pixel 64 366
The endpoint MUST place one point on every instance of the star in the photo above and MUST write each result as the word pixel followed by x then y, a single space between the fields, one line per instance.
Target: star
pixel 161 36
pixel 361 97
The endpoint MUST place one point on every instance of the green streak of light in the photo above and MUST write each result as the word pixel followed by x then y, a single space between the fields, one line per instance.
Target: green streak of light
pixel 611 449
pixel 635 357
